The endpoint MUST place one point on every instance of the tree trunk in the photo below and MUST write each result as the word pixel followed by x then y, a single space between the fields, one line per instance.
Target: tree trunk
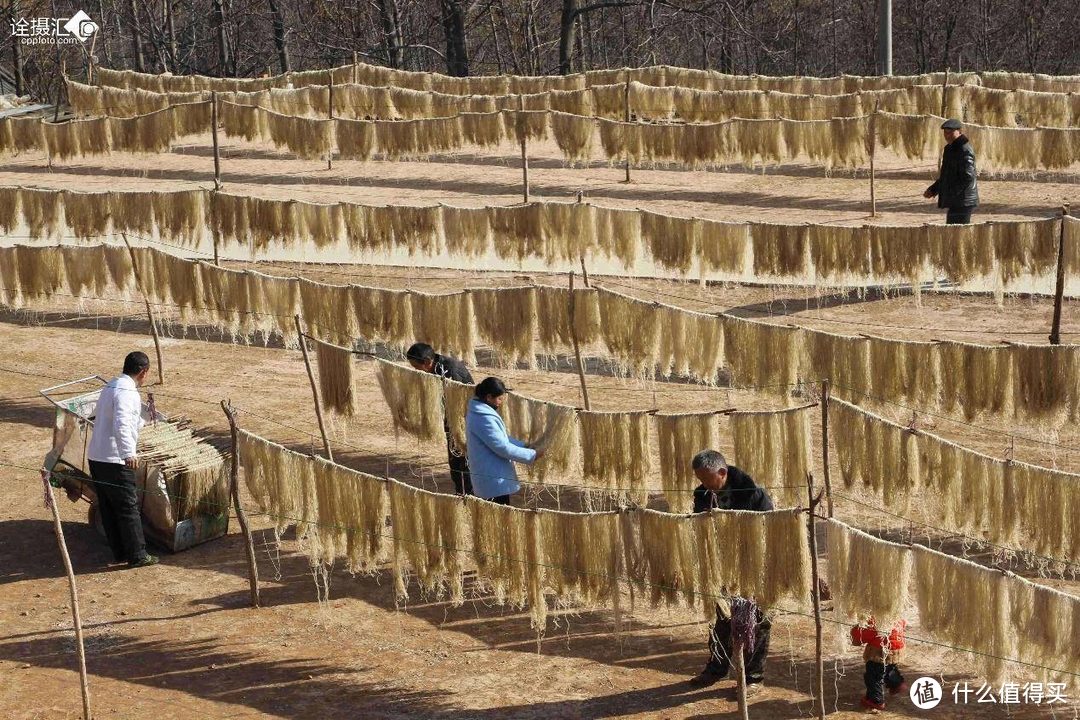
pixel 16 52
pixel 457 50
pixel 495 38
pixel 222 39
pixel 567 32
pixel 278 23
pixel 388 12
pixel 136 38
pixel 170 26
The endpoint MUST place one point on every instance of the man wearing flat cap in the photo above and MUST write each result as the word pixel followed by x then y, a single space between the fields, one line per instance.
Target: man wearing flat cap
pixel 956 188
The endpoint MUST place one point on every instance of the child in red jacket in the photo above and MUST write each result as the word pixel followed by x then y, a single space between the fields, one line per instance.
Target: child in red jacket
pixel 882 656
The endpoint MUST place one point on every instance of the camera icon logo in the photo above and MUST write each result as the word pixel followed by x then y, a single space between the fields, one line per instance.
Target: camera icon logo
pixel 81 26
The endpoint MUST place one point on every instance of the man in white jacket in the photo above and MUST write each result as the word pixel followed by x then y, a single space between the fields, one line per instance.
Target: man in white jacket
pixel 112 456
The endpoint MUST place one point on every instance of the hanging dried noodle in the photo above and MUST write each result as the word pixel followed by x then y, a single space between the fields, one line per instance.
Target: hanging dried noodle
pixel 414 398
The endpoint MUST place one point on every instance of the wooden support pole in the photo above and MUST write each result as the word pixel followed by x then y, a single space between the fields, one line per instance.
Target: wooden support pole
pixel 1059 285
pixel 314 389
pixel 330 115
pixel 524 154
pixel 738 650
pixel 577 348
pixel 355 67
pixel 241 516
pixel 149 310
pixel 945 94
pixel 76 618
pixel 584 270
pixel 217 145
pixel 626 118
pixel 826 472
pixel 873 155
pixel 815 592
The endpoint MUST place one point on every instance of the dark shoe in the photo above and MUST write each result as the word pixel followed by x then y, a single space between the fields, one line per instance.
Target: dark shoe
pixel 707 678
pixel 144 562
pixel 873 707
pixel 901 688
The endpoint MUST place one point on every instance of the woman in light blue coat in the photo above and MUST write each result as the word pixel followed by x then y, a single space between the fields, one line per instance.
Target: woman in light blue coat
pixel 492 452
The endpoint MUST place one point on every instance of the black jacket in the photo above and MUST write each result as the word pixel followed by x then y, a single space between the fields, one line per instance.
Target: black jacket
pixel 740 492
pixel 452 369
pixel 957 186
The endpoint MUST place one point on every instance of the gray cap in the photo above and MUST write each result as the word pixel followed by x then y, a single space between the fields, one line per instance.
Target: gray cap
pixel 951 124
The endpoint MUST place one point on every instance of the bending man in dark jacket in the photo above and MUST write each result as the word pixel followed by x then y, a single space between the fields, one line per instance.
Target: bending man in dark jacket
pixel 727 487
pixel 957 188
pixel 424 358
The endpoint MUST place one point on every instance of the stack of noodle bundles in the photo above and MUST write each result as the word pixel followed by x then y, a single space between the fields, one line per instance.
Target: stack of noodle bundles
pixel 506 320
pixel 550 428
pixel 774 449
pixel 631 331
pixel 281 482
pixel 336 379
pixel 691 344
pixel 762 354
pixel 509 555
pixel 868 577
pixel 414 398
pixel 429 538
pixel 352 516
pixel 446 322
pixel 616 452
pixel 581 552
pixel 557 327
pixel 382 315
pixel 967 606
pixel 680 438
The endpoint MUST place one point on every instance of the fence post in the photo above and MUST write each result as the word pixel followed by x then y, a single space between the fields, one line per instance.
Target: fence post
pixel 826 472
pixel 626 118
pixel 815 591
pixel 217 145
pixel 1059 286
pixel 314 388
pixel 873 155
pixel 241 516
pixel 524 155
pixel 149 310
pixel 572 304
pixel 330 116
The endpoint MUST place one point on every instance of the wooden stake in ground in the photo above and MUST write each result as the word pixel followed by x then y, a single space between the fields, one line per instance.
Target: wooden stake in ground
pixel 584 270
pixel 1059 285
pixel 826 472
pixel 815 592
pixel 873 153
pixel 76 618
pixel 626 118
pixel 524 155
pixel 330 115
pixel 217 145
pixel 577 348
pixel 945 94
pixel 738 650
pixel 314 388
pixel 241 516
pixel 149 310
pixel 355 67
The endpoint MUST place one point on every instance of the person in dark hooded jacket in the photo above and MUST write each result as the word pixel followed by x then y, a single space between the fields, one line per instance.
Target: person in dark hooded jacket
pixel 726 487
pixel 957 187
pixel 423 357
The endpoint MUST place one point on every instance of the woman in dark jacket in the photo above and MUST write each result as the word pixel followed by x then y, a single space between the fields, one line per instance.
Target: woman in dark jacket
pixel 956 188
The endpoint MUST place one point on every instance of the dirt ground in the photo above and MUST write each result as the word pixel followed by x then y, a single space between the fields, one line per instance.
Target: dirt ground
pixel 178 640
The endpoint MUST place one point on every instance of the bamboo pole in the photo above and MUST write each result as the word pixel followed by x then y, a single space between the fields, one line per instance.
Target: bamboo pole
pixel 330 114
pixel 626 118
pixel 314 388
pixel 76 617
pixel 826 472
pixel 149 310
pixel 524 154
pixel 815 592
pixel 241 516
pixel 1059 285
pixel 217 144
pixel 577 348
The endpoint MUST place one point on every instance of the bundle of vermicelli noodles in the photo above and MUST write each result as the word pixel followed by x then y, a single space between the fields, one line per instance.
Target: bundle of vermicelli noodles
pixel 616 453
pixel 977 379
pixel 774 448
pixel 581 551
pixel 723 246
pixel 669 553
pixel 506 320
pixel 382 314
pixel 568 229
pixel 1072 244
pixel 780 249
pixel 456 397
pixel 868 577
pixel 762 354
pixel 429 539
pixel 246 122
pixel 336 378
pixel 573 134
pixel 1047 382
pixel 839 253
pixel 327 311
pixel 622 231
pixel 1044 504
pixel 630 329
pixel 414 398
pixel 509 555
pixel 307 138
pixel 882 456
pixel 691 344
pixel 904 370
pixel 1047 626
pixel 680 437
pixel 281 482
pixel 673 241
pixel 843 359
pixel 446 322
pixel 352 516
pixel 549 427
pixel 557 327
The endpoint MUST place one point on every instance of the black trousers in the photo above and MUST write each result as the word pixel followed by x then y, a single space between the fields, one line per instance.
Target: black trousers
pixel 958 216
pixel 118 507
pixel 459 471
pixel 720 649
pixel 877 677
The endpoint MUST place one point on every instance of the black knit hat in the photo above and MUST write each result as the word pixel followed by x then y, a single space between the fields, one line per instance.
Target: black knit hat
pixel 951 124
pixel 490 386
